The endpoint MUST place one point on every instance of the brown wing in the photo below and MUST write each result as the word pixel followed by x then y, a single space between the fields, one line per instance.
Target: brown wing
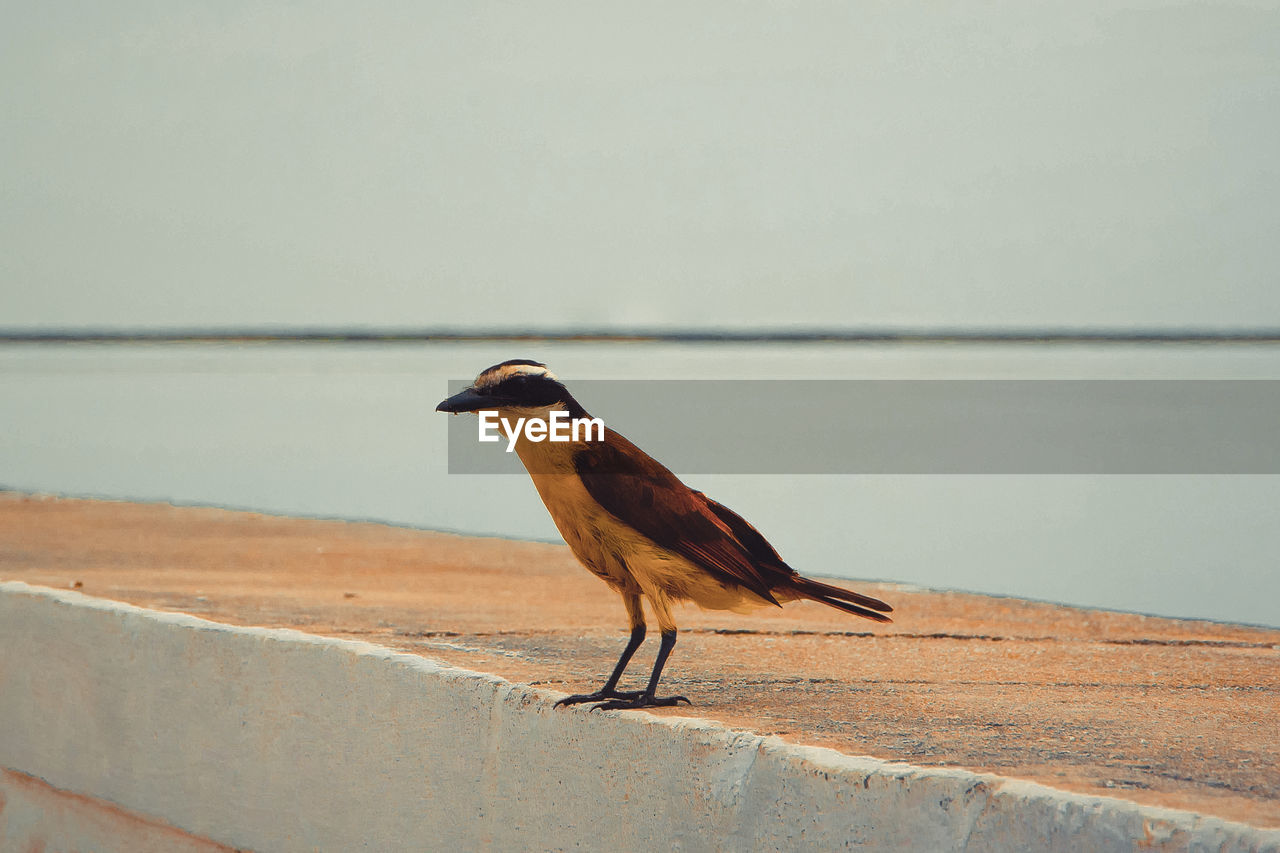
pixel 751 539
pixel 641 492
pixel 781 574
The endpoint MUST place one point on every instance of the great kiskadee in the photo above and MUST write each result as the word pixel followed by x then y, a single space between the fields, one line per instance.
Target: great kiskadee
pixel 636 526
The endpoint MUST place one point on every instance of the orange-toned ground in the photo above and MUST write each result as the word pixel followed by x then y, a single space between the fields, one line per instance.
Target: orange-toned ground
pixel 1177 713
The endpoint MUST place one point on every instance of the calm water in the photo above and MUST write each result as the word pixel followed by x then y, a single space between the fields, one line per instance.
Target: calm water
pixel 349 431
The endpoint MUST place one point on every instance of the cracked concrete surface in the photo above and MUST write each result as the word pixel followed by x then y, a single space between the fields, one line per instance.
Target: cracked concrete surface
pixel 1165 712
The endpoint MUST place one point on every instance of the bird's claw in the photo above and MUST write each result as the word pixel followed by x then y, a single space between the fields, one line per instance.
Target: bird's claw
pixel 599 696
pixel 644 700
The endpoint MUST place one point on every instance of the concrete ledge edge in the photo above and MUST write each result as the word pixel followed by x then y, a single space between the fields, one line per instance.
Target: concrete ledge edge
pixel 477 760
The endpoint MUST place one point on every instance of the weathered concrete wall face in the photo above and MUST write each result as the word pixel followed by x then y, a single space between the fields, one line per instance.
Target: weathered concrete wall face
pixel 37 818
pixel 277 740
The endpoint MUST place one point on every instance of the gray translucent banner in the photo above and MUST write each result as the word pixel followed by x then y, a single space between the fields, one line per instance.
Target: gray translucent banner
pixel 924 426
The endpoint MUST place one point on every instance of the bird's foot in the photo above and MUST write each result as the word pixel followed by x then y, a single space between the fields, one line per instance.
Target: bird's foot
pixel 644 700
pixel 600 696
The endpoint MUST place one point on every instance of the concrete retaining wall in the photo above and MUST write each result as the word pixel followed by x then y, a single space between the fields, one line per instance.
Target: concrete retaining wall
pixel 38 818
pixel 278 740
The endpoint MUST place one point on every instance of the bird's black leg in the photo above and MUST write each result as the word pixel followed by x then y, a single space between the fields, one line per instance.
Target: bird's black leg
pixel 646 698
pixel 609 690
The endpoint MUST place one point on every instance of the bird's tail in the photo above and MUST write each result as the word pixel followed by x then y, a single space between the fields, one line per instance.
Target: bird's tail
pixel 842 599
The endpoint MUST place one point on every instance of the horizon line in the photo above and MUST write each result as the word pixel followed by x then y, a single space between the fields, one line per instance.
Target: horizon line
pixel 880 334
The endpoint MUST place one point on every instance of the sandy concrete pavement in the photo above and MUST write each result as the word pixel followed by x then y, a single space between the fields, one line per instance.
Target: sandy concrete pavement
pixel 1166 712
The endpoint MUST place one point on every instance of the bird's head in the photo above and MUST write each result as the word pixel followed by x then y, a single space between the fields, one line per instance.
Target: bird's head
pixel 519 386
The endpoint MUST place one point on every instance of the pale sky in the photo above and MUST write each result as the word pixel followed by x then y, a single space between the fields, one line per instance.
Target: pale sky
pixel 709 164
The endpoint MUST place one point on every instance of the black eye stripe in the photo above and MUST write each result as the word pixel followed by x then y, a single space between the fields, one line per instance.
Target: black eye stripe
pixel 535 390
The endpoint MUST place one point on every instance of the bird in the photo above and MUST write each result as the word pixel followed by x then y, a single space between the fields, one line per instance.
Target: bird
pixel 635 525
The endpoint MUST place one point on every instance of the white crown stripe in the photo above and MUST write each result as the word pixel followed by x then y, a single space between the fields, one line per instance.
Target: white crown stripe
pixel 506 371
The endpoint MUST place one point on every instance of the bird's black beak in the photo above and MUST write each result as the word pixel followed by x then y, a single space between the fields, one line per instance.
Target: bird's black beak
pixel 468 400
